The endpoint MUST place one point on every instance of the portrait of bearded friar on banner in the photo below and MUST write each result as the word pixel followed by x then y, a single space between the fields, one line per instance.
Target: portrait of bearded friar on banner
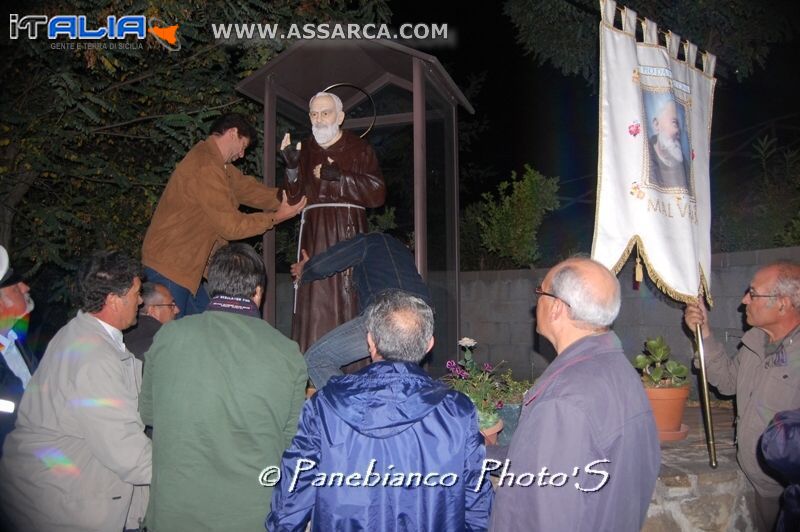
pixel 668 154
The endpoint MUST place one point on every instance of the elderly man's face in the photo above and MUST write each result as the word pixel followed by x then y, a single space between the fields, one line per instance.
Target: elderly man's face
pixel 543 304
pixel 325 120
pixel 322 111
pixel 668 122
pixel 163 308
pixel 762 308
pixel 15 301
pixel 668 130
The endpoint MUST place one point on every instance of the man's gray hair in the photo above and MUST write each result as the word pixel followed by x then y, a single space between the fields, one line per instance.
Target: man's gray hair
pixel 401 325
pixel 787 282
pixel 336 100
pixel 149 295
pixel 586 306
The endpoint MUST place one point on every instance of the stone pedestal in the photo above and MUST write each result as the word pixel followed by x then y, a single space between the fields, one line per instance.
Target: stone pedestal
pixel 691 496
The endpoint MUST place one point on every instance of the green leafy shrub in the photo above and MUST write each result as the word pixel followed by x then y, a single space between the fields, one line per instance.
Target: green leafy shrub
pixel 657 370
pixel 509 223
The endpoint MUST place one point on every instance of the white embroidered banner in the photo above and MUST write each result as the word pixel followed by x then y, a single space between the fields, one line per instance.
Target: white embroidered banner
pixel 653 184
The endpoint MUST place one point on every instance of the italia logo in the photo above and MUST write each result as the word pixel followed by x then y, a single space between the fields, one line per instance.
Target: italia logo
pixel 76 27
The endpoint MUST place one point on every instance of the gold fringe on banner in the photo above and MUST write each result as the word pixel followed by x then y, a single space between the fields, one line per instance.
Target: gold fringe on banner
pixel 702 290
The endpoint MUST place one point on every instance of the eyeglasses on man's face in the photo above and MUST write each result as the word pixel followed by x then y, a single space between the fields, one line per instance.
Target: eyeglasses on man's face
pixel 173 305
pixel 753 294
pixel 539 292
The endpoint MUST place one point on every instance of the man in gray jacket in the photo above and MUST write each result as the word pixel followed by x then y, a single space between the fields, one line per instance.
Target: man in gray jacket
pixel 585 456
pixel 78 458
pixel 764 374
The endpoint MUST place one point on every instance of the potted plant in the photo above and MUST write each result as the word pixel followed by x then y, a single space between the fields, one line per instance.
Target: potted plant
pixel 510 395
pixel 666 387
pixel 486 389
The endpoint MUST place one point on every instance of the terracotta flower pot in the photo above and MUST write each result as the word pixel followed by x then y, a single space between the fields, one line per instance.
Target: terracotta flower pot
pixel 490 434
pixel 668 405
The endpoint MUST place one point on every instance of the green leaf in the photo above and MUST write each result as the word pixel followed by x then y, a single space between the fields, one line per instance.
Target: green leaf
pixel 641 361
pixel 656 374
pixel 680 371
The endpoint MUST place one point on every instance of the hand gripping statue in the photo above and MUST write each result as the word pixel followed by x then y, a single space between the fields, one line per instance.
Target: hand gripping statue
pixel 339 174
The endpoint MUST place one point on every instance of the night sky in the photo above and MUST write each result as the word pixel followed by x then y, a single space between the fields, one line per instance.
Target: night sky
pixel 538 116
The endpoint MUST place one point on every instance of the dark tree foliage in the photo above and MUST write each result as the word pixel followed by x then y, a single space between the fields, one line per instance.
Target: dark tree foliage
pixel 564 33
pixel 89 137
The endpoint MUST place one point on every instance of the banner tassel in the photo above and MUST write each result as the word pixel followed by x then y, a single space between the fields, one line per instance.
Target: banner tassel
pixel 638 272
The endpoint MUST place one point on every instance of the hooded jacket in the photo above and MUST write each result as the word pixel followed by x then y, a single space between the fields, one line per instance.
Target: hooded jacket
pixel 387 448
pixel 781 453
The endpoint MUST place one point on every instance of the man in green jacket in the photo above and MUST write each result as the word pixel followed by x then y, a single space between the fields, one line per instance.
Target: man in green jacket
pixel 222 391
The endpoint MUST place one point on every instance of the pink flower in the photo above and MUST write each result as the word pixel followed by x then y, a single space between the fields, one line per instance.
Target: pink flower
pixel 498 405
pixel 487 366
pixel 635 128
pixel 451 365
pixel 461 373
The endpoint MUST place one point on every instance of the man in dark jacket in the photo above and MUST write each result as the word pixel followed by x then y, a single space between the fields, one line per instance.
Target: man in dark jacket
pixel 380 262
pixel 387 448
pixel 158 308
pixel 586 430
pixel 17 364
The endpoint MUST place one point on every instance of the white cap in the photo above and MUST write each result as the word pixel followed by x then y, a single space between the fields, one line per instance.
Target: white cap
pixel 4 264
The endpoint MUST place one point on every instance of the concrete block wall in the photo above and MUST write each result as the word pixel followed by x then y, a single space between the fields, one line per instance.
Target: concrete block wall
pixel 497 311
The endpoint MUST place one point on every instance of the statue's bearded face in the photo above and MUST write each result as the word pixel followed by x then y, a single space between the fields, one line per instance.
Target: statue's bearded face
pixel 325 119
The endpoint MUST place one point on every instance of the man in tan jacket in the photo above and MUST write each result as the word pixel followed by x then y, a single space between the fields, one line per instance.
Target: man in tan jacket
pixel 199 212
pixel 764 374
pixel 78 459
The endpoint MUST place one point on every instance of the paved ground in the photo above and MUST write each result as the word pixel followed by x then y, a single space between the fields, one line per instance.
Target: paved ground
pixel 690 456
pixel 689 494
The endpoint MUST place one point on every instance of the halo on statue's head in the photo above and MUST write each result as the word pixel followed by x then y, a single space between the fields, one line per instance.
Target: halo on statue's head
pixel 365 93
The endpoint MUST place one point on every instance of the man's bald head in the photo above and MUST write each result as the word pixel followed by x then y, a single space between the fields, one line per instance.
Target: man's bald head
pixel 590 289
pixel 787 281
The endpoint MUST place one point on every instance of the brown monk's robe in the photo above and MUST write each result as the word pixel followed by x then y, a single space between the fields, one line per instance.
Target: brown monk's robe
pixel 327 303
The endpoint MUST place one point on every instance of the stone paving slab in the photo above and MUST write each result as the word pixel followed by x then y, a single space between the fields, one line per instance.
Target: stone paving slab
pixel 689 494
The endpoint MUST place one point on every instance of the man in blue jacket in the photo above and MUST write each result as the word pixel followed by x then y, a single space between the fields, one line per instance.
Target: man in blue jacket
pixel 379 262
pixel 780 450
pixel 387 448
pixel 586 430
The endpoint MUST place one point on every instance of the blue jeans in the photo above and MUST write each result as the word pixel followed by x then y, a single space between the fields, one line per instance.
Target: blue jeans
pixel 188 304
pixel 341 346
